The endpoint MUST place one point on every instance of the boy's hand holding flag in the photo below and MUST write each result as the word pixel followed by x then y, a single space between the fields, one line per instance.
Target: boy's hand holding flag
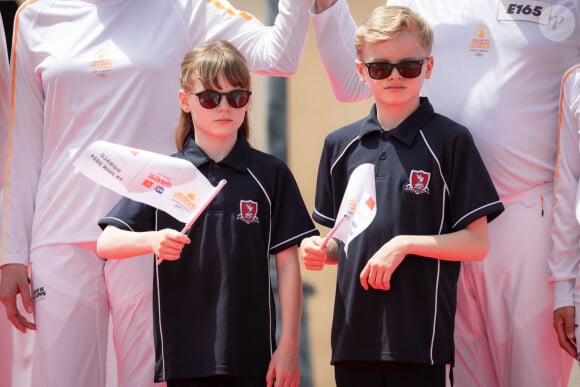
pixel 358 206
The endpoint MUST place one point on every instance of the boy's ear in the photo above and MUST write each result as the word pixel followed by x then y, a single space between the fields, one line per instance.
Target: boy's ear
pixel 429 67
pixel 360 68
pixel 183 100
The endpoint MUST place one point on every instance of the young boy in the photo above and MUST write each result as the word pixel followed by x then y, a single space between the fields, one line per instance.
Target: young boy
pixel 396 286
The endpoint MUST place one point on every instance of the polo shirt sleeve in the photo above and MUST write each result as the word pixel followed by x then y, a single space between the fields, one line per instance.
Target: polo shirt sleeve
pixel 290 220
pixel 325 204
pixel 472 193
pixel 130 215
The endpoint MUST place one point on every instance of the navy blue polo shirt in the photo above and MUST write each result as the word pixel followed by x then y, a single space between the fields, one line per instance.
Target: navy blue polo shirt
pixel 429 180
pixel 214 312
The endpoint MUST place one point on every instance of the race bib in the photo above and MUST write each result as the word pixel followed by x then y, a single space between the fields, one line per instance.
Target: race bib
pixel 524 10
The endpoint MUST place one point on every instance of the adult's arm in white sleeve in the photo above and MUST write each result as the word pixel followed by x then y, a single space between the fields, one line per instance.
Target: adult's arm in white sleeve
pixel 24 150
pixel 565 232
pixel 4 106
pixel 335 31
pixel 270 50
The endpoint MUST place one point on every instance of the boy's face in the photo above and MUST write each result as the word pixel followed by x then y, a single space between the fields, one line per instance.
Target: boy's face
pixel 395 90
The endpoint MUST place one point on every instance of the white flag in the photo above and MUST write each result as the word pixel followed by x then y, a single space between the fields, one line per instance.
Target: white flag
pixel 358 207
pixel 168 183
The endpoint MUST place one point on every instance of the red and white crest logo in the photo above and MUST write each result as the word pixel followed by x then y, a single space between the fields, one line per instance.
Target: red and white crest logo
pixel 248 212
pixel 418 182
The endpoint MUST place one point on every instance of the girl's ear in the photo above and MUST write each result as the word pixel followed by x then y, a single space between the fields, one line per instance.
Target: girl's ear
pixel 360 68
pixel 184 101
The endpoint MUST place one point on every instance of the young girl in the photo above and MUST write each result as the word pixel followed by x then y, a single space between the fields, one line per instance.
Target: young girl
pixel 214 311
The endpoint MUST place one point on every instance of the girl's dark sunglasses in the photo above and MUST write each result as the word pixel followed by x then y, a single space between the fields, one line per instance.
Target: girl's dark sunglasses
pixel 407 69
pixel 210 99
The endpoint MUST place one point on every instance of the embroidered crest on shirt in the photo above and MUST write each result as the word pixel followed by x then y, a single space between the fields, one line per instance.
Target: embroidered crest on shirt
pixel 248 212
pixel 101 63
pixel 418 182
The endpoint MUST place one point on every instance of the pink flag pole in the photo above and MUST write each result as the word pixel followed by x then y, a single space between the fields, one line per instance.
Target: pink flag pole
pixel 185 229
pixel 333 231
pixel 217 189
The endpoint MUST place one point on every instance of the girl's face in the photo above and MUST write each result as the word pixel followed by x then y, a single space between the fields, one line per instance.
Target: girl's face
pixel 221 122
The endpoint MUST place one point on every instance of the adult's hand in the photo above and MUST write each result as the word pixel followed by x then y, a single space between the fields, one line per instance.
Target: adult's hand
pixel 322 5
pixel 14 281
pixel 565 329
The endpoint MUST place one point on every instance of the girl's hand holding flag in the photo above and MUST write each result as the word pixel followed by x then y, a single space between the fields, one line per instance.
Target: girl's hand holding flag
pixel 170 184
pixel 166 244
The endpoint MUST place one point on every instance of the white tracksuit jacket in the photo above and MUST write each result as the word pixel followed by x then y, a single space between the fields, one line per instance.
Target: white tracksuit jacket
pixel 565 258
pixel 91 70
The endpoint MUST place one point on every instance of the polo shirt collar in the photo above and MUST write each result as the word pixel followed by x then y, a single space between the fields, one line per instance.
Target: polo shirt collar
pixel 237 158
pixel 408 129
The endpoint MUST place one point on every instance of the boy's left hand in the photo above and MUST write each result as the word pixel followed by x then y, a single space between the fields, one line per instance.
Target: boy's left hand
pixel 284 368
pixel 379 269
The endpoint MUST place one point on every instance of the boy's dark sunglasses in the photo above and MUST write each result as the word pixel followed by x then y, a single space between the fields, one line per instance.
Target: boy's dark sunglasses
pixel 211 99
pixel 407 69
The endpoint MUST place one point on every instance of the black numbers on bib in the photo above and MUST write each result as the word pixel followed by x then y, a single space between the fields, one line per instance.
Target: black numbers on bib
pixel 524 9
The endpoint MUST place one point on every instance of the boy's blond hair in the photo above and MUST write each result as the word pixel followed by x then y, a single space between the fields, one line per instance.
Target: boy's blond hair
pixel 387 22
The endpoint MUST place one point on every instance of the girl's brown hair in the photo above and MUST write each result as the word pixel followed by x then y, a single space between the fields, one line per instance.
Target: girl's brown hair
pixel 206 63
